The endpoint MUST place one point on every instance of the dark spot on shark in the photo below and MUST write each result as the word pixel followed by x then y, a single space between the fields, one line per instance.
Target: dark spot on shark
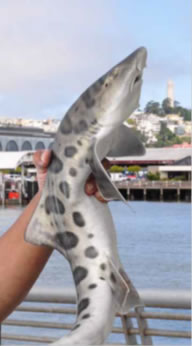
pixel 90 235
pixel 88 99
pixel 83 304
pixel 54 205
pixel 65 188
pixel 66 125
pixel 76 108
pixel 86 316
pixel 70 151
pixel 81 126
pixel 79 142
pixel 73 172
pixel 77 326
pixel 78 219
pixel 94 122
pixel 92 286
pixel 102 278
pixel 103 266
pixel 67 240
pixel 79 274
pixel 91 252
pixel 56 164
pixel 113 278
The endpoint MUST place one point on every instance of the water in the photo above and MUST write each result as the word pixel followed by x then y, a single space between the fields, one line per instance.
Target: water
pixel 154 246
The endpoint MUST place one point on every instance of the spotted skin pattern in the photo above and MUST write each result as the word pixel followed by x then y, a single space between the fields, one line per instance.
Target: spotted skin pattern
pixel 79 226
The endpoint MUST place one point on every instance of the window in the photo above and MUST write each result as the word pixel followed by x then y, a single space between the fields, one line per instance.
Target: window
pixel 40 145
pixel 12 146
pixel 26 146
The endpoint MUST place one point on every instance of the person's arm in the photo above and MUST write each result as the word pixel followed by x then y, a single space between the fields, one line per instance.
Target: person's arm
pixel 21 262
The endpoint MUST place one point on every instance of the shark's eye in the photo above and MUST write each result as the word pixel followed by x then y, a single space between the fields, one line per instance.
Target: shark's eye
pixel 106 85
pixel 137 79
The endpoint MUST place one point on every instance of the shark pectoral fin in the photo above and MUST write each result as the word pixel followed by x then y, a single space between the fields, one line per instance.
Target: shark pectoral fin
pixel 39 230
pixel 108 190
pixel 125 143
pixel 125 293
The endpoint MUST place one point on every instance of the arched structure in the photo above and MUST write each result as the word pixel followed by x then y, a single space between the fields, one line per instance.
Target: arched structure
pixel 26 146
pixel 12 146
pixel 39 145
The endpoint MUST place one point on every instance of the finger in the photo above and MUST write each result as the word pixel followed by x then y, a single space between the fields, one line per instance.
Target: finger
pixel 90 186
pixel 100 198
pixel 41 159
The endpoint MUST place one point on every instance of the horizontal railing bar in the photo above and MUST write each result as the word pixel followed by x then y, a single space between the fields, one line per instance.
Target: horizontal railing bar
pixel 31 338
pixel 149 315
pixel 37 324
pixel 162 316
pixel 40 324
pixel 132 331
pixel 179 299
pixel 46 310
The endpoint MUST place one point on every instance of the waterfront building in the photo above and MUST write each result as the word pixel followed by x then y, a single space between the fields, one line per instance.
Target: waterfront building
pixel 15 138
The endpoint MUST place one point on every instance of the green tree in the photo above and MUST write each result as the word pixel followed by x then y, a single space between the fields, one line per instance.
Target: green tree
pixel 153 107
pixel 166 106
pixel 166 138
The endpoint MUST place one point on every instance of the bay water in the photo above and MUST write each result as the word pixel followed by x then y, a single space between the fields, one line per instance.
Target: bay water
pixel 154 246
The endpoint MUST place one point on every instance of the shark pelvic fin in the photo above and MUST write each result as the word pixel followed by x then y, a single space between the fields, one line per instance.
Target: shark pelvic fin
pixel 125 143
pixel 125 293
pixel 103 180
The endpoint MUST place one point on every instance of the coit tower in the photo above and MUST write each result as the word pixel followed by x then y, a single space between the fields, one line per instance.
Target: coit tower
pixel 170 94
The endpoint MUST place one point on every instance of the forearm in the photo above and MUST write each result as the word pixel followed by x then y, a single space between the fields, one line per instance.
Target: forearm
pixel 20 262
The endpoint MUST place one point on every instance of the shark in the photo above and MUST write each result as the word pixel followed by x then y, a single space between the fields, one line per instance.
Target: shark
pixel 79 226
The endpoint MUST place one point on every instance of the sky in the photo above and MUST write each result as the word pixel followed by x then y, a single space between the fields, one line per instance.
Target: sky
pixel 51 51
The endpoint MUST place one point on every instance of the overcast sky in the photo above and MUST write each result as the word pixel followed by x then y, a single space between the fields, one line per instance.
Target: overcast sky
pixel 52 50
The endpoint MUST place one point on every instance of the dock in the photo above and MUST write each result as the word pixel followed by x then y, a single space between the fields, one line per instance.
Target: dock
pixel 167 191
pixel 155 190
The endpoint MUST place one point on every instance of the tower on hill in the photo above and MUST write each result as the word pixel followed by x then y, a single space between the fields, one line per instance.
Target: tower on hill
pixel 170 92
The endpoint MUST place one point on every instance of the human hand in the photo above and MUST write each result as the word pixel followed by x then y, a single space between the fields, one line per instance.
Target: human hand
pixel 41 159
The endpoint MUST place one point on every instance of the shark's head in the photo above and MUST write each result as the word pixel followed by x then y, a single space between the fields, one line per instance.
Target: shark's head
pixel 115 96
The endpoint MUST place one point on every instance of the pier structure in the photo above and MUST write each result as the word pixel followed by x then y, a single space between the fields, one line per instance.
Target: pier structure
pixel 173 164
pixel 156 190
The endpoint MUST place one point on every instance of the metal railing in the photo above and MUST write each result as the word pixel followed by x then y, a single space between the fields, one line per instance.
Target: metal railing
pixel 41 305
pixel 155 184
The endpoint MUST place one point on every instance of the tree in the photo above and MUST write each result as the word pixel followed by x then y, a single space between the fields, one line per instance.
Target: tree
pixel 166 106
pixel 166 138
pixel 153 107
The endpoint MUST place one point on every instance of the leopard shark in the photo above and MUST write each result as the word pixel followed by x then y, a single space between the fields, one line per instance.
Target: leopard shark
pixel 77 225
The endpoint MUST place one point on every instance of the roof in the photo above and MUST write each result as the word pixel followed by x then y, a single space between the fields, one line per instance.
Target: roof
pixel 173 168
pixel 157 155
pixel 13 159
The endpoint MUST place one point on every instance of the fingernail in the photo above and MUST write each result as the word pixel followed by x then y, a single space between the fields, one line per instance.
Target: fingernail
pixel 44 156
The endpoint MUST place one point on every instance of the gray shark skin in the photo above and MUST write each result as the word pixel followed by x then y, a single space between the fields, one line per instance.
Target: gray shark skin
pixel 78 226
